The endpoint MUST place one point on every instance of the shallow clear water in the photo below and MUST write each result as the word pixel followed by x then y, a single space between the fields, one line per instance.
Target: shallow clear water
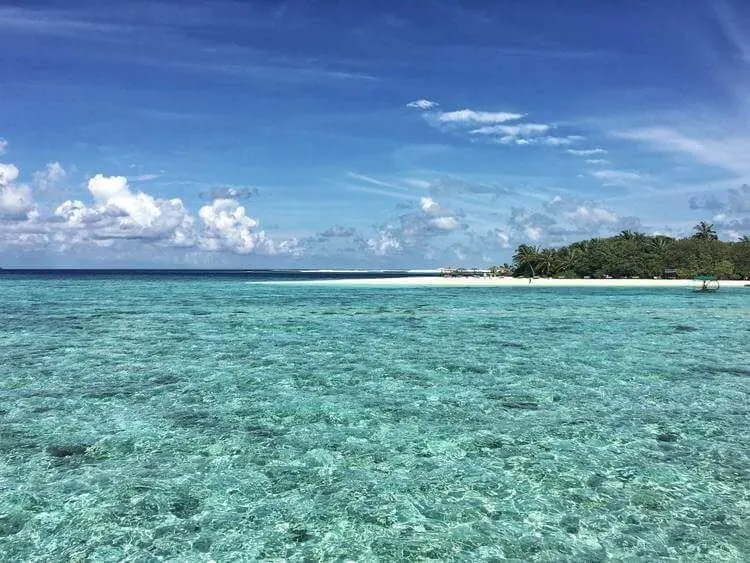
pixel 200 418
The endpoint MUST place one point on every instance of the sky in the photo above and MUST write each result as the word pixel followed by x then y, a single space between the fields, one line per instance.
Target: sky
pixel 322 134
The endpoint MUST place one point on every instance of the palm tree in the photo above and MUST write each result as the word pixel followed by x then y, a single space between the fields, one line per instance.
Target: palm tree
pixel 526 258
pixel 705 231
pixel 548 262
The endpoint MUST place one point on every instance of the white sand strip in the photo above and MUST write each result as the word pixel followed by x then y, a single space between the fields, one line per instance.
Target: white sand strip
pixel 516 282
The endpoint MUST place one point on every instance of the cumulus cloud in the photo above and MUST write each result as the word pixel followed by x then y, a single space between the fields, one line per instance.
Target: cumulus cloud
pixel 565 219
pixel 429 205
pixel 120 213
pixel 16 202
pixel 583 215
pixel 710 202
pixel 422 104
pixel 49 177
pixel 413 231
pixel 586 215
pixel 586 152
pixel 384 244
pixel 439 219
pixel 530 225
pixel 8 174
pixel 733 201
pixel 119 216
pixel 445 223
pixel 227 227
pixel 739 200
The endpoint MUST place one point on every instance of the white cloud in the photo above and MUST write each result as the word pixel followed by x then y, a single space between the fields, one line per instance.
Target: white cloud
pixel 498 127
pixel 227 227
pixel 520 130
pixel 534 233
pixel 145 177
pixel 384 244
pixel 118 216
pixel 3 146
pixel 429 205
pixel 413 231
pixel 503 239
pixel 586 152
pixel 589 216
pixel 16 202
pixel 596 161
pixel 446 223
pixel 119 213
pixel 51 175
pixel 616 177
pixel 471 117
pixel 8 174
pixel 422 104
pixel 726 152
pixel 561 141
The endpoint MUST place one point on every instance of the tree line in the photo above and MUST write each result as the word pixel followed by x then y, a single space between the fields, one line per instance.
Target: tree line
pixel 633 254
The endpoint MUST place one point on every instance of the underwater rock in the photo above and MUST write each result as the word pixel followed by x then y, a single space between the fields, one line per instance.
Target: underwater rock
pixel 524 405
pixel 185 506
pixel 202 544
pixel 12 523
pixel 105 393
pixel 668 437
pixel 167 379
pixel 596 480
pixel 684 328
pixel 516 345
pixel 67 450
pixel 299 533
pixel 570 523
pixel 489 442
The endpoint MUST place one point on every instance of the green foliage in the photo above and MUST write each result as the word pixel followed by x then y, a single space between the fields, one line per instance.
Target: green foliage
pixel 631 254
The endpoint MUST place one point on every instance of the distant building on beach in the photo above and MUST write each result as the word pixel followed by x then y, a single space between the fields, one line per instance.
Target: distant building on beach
pixel 463 272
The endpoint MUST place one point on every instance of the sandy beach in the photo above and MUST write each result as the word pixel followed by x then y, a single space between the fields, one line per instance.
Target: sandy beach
pixel 417 281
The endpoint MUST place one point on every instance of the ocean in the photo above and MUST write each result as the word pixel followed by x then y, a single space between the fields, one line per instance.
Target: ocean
pixel 235 416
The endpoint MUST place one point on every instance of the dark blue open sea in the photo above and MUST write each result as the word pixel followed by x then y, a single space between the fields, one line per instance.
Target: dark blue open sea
pixel 205 416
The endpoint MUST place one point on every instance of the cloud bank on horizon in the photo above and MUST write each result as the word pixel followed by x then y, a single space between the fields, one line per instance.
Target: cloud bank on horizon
pixel 424 135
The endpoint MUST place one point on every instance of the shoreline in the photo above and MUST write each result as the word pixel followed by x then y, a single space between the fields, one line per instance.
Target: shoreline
pixel 512 282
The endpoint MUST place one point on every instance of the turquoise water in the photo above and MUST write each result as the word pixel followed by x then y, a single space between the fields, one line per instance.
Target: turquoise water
pixel 197 418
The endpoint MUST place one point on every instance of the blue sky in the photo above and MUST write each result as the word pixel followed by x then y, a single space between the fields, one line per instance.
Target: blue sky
pixel 331 134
